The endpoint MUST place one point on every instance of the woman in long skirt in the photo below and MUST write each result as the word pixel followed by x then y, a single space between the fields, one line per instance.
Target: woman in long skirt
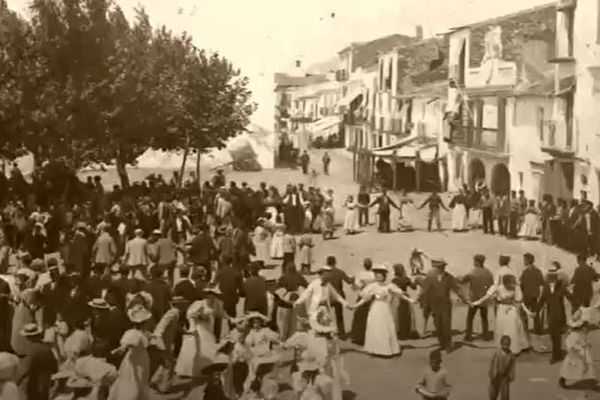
pixel 405 321
pixel 289 288
pixel 27 309
pixel 381 338
pixel 459 212
pixel 305 245
pixel 277 241
pixel 261 242
pixel 359 319
pixel 508 314
pixel 327 220
pixel 578 365
pixel 351 217
pixel 134 373
pixel 531 223
pixel 406 221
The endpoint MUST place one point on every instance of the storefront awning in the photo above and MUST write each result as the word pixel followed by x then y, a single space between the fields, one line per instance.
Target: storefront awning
pixel 325 126
pixel 352 95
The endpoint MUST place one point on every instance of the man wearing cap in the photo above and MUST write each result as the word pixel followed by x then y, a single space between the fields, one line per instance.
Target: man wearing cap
pixel 320 291
pixel 480 279
pixel 136 253
pixel 337 277
pixel 435 202
pixel 437 286
pixel 384 208
pixel 202 248
pixel 532 283
pixel 553 297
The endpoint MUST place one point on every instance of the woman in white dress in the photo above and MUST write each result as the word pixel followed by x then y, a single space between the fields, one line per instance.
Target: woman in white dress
pixel 531 222
pixel 258 342
pixel 406 221
pixel 459 212
pixel 199 346
pixel 134 373
pixel 351 217
pixel 508 314
pixel 578 365
pixel 381 338
pixel 277 241
pixel 261 242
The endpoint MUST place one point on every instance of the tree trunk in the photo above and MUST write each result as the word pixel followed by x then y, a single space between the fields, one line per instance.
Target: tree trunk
pixel 182 171
pixel 122 170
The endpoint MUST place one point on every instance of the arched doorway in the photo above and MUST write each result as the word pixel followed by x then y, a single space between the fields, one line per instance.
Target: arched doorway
pixel 500 179
pixel 476 171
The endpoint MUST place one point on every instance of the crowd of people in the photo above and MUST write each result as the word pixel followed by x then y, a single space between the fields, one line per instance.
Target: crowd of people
pixel 125 292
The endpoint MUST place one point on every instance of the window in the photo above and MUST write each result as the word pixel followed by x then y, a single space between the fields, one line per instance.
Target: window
pixel 598 21
pixel 570 21
pixel 540 119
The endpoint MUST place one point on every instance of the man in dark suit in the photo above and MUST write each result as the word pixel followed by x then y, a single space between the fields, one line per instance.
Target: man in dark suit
pixel 230 282
pixel 202 248
pixel 255 291
pixel 384 208
pixel 582 281
pixel 242 247
pixel 480 279
pixel 337 277
pixel 80 251
pixel 553 298
pixel 532 283
pixel 160 291
pixel 111 325
pixel 437 286
pixel 38 366
pixel 186 287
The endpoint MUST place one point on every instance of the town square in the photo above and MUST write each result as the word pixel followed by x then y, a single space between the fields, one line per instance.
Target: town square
pixel 318 200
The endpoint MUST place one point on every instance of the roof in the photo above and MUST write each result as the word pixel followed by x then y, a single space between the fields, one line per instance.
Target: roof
pixel 497 20
pixel 285 80
pixel 365 54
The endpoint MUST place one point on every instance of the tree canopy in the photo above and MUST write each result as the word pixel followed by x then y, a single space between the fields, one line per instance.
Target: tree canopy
pixel 80 82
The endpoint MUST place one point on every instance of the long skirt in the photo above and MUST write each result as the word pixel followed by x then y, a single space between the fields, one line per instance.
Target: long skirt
pixel 509 322
pixel 475 220
pixel 405 325
pixel 459 218
pixel 359 324
pixel 380 337
pixel 530 226
pixel 133 378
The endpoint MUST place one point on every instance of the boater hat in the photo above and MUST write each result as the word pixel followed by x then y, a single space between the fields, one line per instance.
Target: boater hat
pixel 99 304
pixel 324 268
pixel 438 262
pixel 30 330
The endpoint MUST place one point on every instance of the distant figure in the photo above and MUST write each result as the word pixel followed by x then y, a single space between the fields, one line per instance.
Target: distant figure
pixel 304 162
pixel 502 371
pixel 326 162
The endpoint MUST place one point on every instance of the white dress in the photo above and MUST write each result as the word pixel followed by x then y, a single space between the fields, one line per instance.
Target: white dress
pixel 459 217
pixel 261 244
pixel 277 242
pixel 407 217
pixel 380 337
pixel 531 224
pixel 351 217
pixel 134 373
pixel 199 347
pixel 258 343
pixel 578 364
pixel 508 318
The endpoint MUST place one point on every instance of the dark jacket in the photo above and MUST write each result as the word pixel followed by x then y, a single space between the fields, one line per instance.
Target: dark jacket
pixel 202 249
pixel 161 294
pixel 231 284
pixel 255 290
pixel 36 371
pixel 554 301
pixel 80 254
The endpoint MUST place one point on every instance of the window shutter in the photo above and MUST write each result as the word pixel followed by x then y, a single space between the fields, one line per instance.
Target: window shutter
pixel 501 123
pixel 479 122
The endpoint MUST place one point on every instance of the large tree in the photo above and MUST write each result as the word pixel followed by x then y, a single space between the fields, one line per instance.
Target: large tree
pixel 83 84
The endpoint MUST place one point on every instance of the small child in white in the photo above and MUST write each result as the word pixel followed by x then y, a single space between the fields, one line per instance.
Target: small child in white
pixel 434 384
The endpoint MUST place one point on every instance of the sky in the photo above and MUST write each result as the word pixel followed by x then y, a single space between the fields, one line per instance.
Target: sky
pixel 262 37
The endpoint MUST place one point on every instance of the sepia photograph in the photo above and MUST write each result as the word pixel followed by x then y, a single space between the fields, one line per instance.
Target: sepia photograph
pixel 299 200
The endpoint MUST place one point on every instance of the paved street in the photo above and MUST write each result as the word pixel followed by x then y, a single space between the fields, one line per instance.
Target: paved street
pixel 389 379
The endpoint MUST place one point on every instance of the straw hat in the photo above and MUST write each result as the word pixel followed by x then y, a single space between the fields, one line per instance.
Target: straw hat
pixel 30 330
pixel 324 268
pixel 553 269
pixel 157 232
pixel 99 304
pixel 380 268
pixel 438 262
pixel 138 314
pixel 256 315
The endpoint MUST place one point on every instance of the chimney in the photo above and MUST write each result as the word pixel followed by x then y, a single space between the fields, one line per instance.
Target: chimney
pixel 298 70
pixel 419 32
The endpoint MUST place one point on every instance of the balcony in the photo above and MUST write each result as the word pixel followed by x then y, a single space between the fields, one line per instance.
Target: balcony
pixel 557 137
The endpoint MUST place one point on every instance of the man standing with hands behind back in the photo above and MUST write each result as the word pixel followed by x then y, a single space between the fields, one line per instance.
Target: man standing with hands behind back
pixel 532 283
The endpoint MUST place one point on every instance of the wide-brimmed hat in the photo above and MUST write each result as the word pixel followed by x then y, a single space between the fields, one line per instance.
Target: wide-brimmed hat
pixel 99 304
pixel 438 262
pixel 79 382
pixel 157 232
pixel 138 314
pixel 256 315
pixel 504 259
pixel 81 226
pixel 554 269
pixel 324 268
pixel 30 330
pixel 581 316
pixel 26 272
pixel 214 368
pixel 38 265
pixel 380 268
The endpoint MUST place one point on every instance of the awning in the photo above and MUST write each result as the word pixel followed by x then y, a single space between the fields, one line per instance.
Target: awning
pixel 325 126
pixel 353 93
pixel 394 146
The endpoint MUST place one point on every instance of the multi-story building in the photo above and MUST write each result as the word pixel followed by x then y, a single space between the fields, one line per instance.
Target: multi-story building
pixel 504 107
pixel 575 133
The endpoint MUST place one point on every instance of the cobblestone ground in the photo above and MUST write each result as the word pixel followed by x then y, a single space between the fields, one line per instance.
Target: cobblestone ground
pixel 390 379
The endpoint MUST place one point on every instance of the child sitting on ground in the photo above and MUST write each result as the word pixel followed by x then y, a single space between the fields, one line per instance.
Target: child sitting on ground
pixel 434 384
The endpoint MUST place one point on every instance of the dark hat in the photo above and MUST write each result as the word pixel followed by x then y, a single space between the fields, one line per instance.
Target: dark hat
pixel 504 259
pixel 479 258
pixel 438 262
